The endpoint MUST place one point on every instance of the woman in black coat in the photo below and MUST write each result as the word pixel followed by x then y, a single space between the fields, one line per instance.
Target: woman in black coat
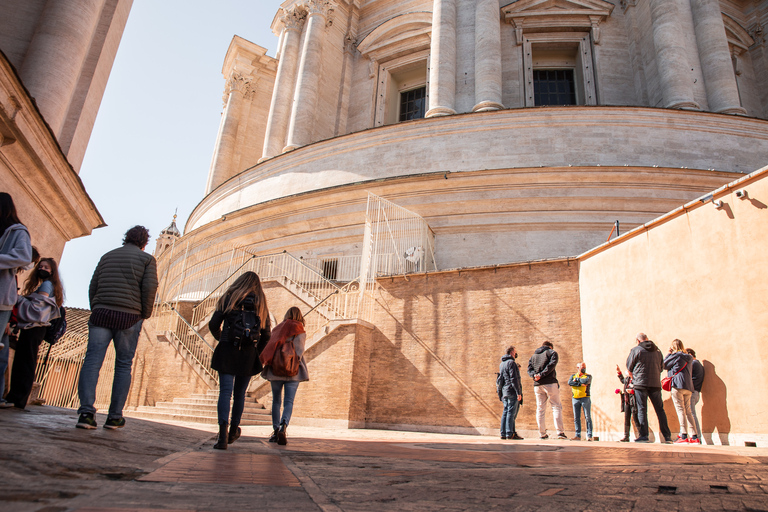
pixel 243 311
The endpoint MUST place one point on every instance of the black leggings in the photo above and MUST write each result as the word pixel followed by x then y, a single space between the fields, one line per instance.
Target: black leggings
pixel 630 413
pixel 24 365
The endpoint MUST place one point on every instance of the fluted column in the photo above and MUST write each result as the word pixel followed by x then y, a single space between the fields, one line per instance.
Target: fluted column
pixel 308 85
pixel 238 87
pixel 56 54
pixel 285 81
pixel 716 62
pixel 487 56
pixel 442 71
pixel 671 60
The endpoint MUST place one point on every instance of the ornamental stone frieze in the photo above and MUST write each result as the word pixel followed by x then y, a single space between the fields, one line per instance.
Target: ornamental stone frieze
pixel 245 85
pixel 324 8
pixel 529 15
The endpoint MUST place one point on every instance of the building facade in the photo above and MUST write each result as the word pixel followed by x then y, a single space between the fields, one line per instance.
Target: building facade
pixel 55 62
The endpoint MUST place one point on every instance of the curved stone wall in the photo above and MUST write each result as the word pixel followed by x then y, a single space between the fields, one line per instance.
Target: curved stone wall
pixel 495 187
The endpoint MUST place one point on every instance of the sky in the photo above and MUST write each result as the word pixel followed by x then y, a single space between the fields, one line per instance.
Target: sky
pixel 152 143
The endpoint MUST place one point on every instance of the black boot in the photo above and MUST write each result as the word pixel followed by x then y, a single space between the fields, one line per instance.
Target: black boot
pixel 221 444
pixel 281 439
pixel 234 433
pixel 273 437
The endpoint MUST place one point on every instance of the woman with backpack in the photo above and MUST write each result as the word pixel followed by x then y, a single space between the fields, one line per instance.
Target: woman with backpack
pixel 243 311
pixel 43 296
pixel 285 368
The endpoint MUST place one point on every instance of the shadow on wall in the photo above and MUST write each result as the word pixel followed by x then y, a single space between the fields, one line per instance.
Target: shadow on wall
pixel 714 406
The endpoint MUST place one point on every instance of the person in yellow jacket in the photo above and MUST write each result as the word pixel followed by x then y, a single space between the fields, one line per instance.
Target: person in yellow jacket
pixel 580 383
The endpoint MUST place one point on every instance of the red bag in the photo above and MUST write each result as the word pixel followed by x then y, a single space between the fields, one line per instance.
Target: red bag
pixel 285 362
pixel 666 382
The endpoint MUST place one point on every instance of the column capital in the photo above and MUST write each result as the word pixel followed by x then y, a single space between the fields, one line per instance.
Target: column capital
pixel 322 8
pixel 292 19
pixel 237 82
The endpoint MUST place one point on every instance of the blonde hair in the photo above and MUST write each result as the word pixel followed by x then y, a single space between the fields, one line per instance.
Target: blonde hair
pixel 677 346
pixel 243 286
pixel 294 313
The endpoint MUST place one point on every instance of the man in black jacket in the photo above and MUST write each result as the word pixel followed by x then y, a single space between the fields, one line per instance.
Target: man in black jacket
pixel 122 294
pixel 697 373
pixel 512 393
pixel 541 368
pixel 644 365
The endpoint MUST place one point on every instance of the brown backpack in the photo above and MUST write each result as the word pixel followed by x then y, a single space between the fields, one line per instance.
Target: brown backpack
pixel 285 362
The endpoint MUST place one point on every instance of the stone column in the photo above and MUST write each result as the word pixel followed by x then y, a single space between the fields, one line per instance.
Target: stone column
pixel 716 62
pixel 285 81
pixel 59 47
pixel 487 56
pixel 310 67
pixel 238 87
pixel 671 59
pixel 442 65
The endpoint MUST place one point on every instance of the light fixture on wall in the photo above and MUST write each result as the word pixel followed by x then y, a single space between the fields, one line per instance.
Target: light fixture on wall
pixel 711 198
pixel 741 194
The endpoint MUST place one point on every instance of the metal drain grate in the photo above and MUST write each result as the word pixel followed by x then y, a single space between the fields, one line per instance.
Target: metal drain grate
pixel 666 489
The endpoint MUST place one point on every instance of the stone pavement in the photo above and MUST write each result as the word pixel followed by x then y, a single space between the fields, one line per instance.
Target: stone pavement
pixel 49 466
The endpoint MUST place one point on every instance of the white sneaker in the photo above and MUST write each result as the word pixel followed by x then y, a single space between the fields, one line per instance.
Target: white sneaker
pixel 5 405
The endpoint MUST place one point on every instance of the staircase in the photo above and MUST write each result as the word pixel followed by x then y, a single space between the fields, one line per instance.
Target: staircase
pixel 200 408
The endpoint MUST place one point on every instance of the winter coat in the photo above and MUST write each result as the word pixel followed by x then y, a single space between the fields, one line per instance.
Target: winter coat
pixel 543 362
pixel 510 373
pixel 125 280
pixel 298 345
pixel 679 367
pixel 580 384
pixel 697 375
pixel 628 393
pixel 232 360
pixel 644 363
pixel 15 253
pixel 36 310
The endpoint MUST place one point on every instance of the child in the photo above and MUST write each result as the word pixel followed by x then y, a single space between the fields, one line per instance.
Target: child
pixel 628 405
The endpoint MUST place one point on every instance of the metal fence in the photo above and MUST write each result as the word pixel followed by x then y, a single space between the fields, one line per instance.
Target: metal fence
pixel 58 376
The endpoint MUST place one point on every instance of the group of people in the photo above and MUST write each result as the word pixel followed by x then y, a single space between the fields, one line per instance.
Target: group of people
pixel 122 295
pixel 237 358
pixel 643 381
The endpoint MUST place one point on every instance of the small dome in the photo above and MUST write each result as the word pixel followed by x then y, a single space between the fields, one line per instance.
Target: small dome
pixel 172 229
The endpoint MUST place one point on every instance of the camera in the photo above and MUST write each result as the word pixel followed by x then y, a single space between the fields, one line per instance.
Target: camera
pixel 741 194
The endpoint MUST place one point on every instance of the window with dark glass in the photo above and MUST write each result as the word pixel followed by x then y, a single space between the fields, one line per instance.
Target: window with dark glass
pixel 413 104
pixel 554 87
pixel 330 269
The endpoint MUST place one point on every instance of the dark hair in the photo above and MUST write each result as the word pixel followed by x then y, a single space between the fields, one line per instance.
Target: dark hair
pixel 548 344
pixel 691 351
pixel 510 350
pixel 247 283
pixel 35 255
pixel 8 215
pixel 137 235
pixel 34 281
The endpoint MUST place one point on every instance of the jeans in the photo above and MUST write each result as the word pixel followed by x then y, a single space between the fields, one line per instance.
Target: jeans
pixel 125 342
pixel 227 385
pixel 24 365
pixel 641 399
pixel 694 400
pixel 549 392
pixel 291 386
pixel 4 317
pixel 508 417
pixel 586 404
pixel 682 400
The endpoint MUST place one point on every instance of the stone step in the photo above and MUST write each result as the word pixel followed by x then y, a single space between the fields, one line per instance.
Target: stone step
pixel 249 403
pixel 205 407
pixel 194 413
pixel 209 420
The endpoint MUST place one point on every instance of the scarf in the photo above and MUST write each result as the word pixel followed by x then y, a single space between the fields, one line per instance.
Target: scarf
pixel 283 331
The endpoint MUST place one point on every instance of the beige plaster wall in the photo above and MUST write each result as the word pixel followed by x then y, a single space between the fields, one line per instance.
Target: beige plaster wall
pixel 700 275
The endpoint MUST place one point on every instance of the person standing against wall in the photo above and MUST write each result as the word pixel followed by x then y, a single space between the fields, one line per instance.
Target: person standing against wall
pixel 678 364
pixel 122 295
pixel 644 365
pixel 698 380
pixel 580 383
pixel 511 393
pixel 541 368
pixel 628 405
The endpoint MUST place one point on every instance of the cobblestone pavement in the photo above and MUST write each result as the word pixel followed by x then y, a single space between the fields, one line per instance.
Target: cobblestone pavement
pixel 49 466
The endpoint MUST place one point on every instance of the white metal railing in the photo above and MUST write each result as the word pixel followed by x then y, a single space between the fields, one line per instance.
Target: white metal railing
pixel 182 333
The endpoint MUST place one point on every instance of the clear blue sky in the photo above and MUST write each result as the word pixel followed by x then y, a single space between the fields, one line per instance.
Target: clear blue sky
pixel 154 135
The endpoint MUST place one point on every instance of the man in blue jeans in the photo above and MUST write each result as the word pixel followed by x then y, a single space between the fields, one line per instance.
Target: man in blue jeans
pixel 580 383
pixel 511 393
pixel 122 293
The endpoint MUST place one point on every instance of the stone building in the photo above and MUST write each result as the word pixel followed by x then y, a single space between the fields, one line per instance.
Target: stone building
pixel 515 133
pixel 55 59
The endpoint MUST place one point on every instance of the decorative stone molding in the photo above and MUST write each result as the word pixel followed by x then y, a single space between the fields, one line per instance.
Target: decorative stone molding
pixel 758 34
pixel 324 8
pixel 350 43
pixel 568 15
pixel 626 4
pixel 245 85
pixel 738 37
pixel 292 19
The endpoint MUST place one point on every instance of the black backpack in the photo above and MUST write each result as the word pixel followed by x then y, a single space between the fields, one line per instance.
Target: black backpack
pixel 244 323
pixel 58 327
pixel 500 385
